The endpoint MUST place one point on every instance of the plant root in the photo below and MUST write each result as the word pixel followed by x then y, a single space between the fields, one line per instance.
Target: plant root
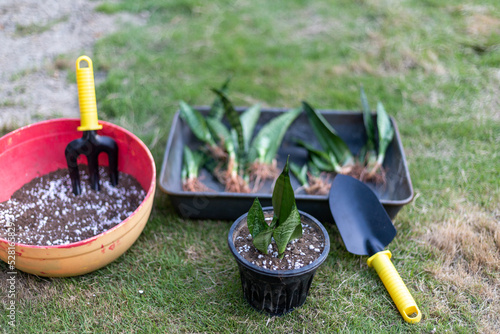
pixel 318 185
pixel 356 171
pixel 259 172
pixel 217 152
pixel 230 179
pixel 374 175
pixel 194 184
pixel 236 184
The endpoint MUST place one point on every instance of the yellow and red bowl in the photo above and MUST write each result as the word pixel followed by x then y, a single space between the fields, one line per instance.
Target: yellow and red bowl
pixel 38 149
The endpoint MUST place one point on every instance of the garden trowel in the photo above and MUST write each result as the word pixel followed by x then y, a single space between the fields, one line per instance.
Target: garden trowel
pixel 91 144
pixel 366 229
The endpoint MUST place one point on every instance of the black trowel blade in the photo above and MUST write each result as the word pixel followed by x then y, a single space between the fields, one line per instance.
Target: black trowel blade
pixel 361 219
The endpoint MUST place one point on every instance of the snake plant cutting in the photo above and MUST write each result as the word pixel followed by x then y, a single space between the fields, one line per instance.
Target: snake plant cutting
pixel 198 125
pixel 286 223
pixel 385 136
pixel 368 153
pixel 232 141
pixel 264 148
pixel 192 162
pixel 335 156
pixel 373 158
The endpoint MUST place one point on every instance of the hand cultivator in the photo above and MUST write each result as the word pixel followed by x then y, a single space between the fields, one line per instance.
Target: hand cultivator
pixel 91 144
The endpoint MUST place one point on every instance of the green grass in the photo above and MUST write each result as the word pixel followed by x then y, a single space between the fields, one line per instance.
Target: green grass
pixel 431 64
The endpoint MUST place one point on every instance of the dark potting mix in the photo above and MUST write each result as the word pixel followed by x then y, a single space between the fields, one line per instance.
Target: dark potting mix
pixel 299 253
pixel 45 212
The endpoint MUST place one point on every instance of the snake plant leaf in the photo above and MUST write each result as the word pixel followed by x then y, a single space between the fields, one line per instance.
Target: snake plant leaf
pixel 234 120
pixel 266 143
pixel 188 162
pixel 368 121
pixel 210 164
pixel 385 132
pixel 368 154
pixel 283 198
pixel 196 123
pixel 192 163
pixel 220 131
pixel 260 231
pixel 289 229
pixel 256 221
pixel 323 165
pixel 248 120
pixel 322 160
pixel 328 137
pixel 300 173
pixel 313 169
pixel 312 150
pixel 234 137
pixel 262 241
pixel 297 233
pixel 184 173
pixel 198 158
pixel 217 109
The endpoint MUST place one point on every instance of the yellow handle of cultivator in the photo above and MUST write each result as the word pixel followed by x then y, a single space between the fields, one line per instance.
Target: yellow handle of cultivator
pixel 86 95
pixel 405 303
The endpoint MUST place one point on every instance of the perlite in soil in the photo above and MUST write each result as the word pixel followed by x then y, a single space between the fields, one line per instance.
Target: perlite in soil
pixel 45 211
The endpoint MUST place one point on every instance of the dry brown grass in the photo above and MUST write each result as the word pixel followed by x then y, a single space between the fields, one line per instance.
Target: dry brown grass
pixel 468 245
pixel 28 287
pixel 194 253
pixel 387 58
pixel 480 24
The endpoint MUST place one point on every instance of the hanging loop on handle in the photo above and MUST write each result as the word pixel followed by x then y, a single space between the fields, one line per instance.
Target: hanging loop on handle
pixel 403 299
pixel 86 95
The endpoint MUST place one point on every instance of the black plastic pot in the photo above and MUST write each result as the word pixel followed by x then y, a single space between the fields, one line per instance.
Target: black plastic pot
pixel 276 292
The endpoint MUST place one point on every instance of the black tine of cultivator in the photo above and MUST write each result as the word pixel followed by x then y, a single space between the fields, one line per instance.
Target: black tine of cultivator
pixel 109 146
pixel 73 150
pixel 91 144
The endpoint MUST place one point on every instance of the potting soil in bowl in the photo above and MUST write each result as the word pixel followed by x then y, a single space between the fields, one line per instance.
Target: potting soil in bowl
pixel 45 211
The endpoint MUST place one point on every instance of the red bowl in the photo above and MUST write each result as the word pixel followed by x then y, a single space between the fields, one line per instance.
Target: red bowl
pixel 38 149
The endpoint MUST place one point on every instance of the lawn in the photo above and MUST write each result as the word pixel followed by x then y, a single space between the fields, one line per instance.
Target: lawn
pixel 435 64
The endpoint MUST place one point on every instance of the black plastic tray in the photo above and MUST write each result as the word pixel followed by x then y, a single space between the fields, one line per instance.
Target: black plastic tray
pixel 222 205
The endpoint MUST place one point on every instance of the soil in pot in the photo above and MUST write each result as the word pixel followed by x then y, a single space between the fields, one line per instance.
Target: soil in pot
pixel 45 212
pixel 299 252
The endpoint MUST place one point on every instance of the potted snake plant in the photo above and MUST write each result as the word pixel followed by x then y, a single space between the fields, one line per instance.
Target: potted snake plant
pixel 278 250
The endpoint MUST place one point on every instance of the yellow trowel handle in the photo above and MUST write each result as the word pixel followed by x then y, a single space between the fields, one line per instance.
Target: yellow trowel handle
pixel 405 303
pixel 86 95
